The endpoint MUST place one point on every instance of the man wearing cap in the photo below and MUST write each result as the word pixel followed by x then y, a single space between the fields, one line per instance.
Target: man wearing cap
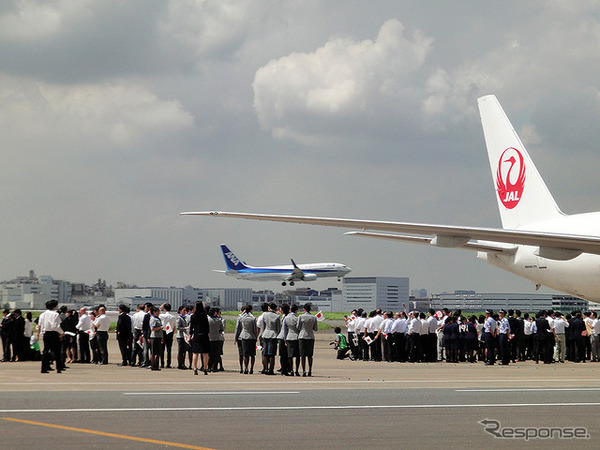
pixel 503 336
pixel 489 329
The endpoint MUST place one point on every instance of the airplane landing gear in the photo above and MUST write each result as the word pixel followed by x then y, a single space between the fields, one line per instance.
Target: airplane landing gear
pixel 291 283
pixel 283 283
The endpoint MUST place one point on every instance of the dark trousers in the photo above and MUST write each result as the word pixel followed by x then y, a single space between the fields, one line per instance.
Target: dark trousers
pixel 400 346
pixel 137 352
pixel 490 345
pixel 96 357
pixel 6 348
pixel 125 348
pixel 102 337
pixel 84 347
pixel 503 348
pixel 52 351
pixel 388 347
pixel 167 347
pixel 284 362
pixel 375 347
pixel 579 349
pixel 182 350
pixel 364 348
pixel 414 347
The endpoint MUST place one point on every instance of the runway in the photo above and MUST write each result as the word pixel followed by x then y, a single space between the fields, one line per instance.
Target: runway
pixel 345 405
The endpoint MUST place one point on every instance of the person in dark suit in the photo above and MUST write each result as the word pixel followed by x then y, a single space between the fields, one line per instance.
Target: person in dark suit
pixel 146 331
pixel 579 333
pixel 124 334
pixel 6 333
pixel 544 343
pixel 199 330
pixel 18 331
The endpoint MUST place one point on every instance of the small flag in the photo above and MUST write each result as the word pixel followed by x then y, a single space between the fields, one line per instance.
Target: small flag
pixel 168 329
pixel 320 316
pixel 438 314
pixel 368 340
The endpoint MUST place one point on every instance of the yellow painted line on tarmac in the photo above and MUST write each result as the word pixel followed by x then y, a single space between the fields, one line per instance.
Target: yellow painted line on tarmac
pixel 103 433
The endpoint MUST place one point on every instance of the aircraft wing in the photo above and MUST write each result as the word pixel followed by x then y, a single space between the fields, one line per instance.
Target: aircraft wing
pixel 556 245
pixel 482 246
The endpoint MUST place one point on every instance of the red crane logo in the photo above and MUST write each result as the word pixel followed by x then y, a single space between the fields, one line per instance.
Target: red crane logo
pixel 510 192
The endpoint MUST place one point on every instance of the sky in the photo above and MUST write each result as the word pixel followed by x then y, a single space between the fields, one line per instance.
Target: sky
pixel 115 116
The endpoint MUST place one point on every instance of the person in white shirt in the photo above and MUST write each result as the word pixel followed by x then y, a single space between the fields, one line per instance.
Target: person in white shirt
pixel 137 347
pixel 560 326
pixel 385 336
pixel 49 327
pixel 369 332
pixel 431 347
pixel 102 324
pixel 84 324
pixel 168 322
pixel 399 331
pixel 440 334
pixel 377 342
pixel 360 330
pixel 351 326
pixel 414 336
pixel 595 337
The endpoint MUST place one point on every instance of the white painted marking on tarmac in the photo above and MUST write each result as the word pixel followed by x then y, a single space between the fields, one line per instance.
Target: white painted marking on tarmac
pixel 529 389
pixel 214 393
pixel 298 408
pixel 297 382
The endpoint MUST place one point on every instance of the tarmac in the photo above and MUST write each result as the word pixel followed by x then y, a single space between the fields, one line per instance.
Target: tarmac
pixel 347 404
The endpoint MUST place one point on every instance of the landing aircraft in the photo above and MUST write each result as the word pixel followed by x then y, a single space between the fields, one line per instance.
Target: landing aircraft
pixel 285 274
pixel 537 240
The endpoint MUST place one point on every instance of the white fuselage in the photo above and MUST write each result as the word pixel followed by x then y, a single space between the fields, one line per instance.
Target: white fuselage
pixel 579 276
pixel 285 273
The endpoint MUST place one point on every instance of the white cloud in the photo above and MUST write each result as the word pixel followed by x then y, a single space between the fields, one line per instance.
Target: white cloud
pixel 296 95
pixel 34 20
pixel 116 114
pixel 206 26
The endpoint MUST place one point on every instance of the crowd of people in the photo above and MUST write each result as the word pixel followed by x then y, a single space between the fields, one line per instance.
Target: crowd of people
pixel 147 336
pixel 508 336
pixel 280 330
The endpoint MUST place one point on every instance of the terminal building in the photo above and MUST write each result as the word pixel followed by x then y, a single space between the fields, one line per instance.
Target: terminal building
pixel 369 293
pixel 33 292
pixel 225 298
pixel 471 301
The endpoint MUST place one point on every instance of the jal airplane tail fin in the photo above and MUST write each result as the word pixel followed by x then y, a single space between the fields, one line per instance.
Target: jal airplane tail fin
pixel 232 261
pixel 522 195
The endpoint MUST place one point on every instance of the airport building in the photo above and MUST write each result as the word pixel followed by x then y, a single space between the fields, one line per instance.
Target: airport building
pixel 471 301
pixel 133 296
pixel 327 300
pixel 369 293
pixel 33 292
pixel 228 299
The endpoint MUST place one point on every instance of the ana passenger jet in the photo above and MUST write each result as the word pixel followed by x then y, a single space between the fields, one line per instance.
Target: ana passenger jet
pixel 537 240
pixel 285 274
